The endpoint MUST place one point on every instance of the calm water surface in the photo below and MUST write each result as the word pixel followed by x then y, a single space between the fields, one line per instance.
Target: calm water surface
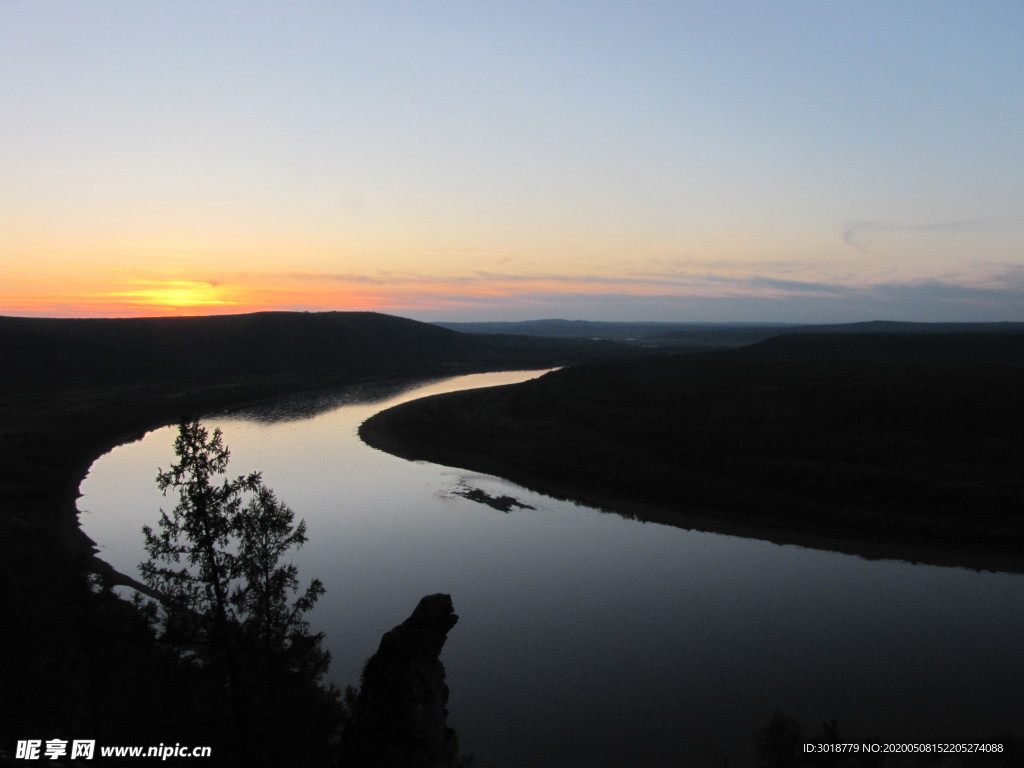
pixel 588 639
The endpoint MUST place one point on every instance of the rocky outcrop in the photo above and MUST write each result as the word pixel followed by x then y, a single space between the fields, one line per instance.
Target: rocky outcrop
pixel 400 716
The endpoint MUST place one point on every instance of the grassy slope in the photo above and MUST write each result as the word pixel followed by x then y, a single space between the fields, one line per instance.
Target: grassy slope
pixel 909 442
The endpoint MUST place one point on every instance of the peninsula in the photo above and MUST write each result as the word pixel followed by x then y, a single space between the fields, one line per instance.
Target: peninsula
pixel 896 445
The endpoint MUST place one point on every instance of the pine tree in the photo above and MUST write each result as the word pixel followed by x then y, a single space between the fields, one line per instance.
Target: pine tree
pixel 273 622
pixel 229 602
pixel 202 532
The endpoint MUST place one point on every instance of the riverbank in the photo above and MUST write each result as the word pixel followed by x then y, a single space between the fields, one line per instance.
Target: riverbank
pixel 78 660
pixel 384 432
pixel 880 461
pixel 49 441
pixel 381 432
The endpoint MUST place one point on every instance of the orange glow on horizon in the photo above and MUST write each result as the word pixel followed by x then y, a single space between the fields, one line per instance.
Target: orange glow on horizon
pixel 76 291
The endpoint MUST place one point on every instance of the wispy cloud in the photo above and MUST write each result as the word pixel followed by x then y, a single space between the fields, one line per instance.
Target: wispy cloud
pixel 925 301
pixel 861 234
pixel 653 279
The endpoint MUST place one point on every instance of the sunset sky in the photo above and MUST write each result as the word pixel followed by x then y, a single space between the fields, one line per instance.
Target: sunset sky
pixel 508 159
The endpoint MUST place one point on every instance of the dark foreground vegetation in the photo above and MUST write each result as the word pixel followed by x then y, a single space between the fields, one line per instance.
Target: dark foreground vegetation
pixel 75 660
pixel 886 444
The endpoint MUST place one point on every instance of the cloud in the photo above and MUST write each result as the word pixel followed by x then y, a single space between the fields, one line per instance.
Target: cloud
pixel 663 289
pixel 860 234
pixel 775 286
pixel 691 265
pixel 668 280
pixel 853 232
pixel 925 301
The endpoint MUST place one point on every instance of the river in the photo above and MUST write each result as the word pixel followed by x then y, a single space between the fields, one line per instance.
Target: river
pixel 586 638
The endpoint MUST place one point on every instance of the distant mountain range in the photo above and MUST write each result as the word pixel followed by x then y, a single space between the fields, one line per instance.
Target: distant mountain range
pixel 710 334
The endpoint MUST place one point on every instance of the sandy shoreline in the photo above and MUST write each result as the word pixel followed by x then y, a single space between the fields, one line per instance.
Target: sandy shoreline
pixel 379 432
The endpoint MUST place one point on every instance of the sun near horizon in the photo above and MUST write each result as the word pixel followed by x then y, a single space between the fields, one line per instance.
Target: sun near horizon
pixel 627 161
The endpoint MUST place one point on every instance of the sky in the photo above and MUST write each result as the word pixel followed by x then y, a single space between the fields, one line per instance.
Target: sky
pixel 507 160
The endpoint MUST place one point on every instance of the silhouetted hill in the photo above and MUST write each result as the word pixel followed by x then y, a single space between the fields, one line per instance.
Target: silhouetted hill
pixel 906 441
pixel 47 353
pixel 711 335
pixel 895 326
pixel 714 334
pixel 581 329
pixel 931 347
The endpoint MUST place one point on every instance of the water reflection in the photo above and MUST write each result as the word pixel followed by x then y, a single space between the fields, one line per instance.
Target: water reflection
pixel 588 639
pixel 306 405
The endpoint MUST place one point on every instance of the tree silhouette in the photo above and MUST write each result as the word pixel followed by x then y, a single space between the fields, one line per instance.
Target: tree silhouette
pixel 228 602
pixel 201 530
pixel 272 622
pixel 778 743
